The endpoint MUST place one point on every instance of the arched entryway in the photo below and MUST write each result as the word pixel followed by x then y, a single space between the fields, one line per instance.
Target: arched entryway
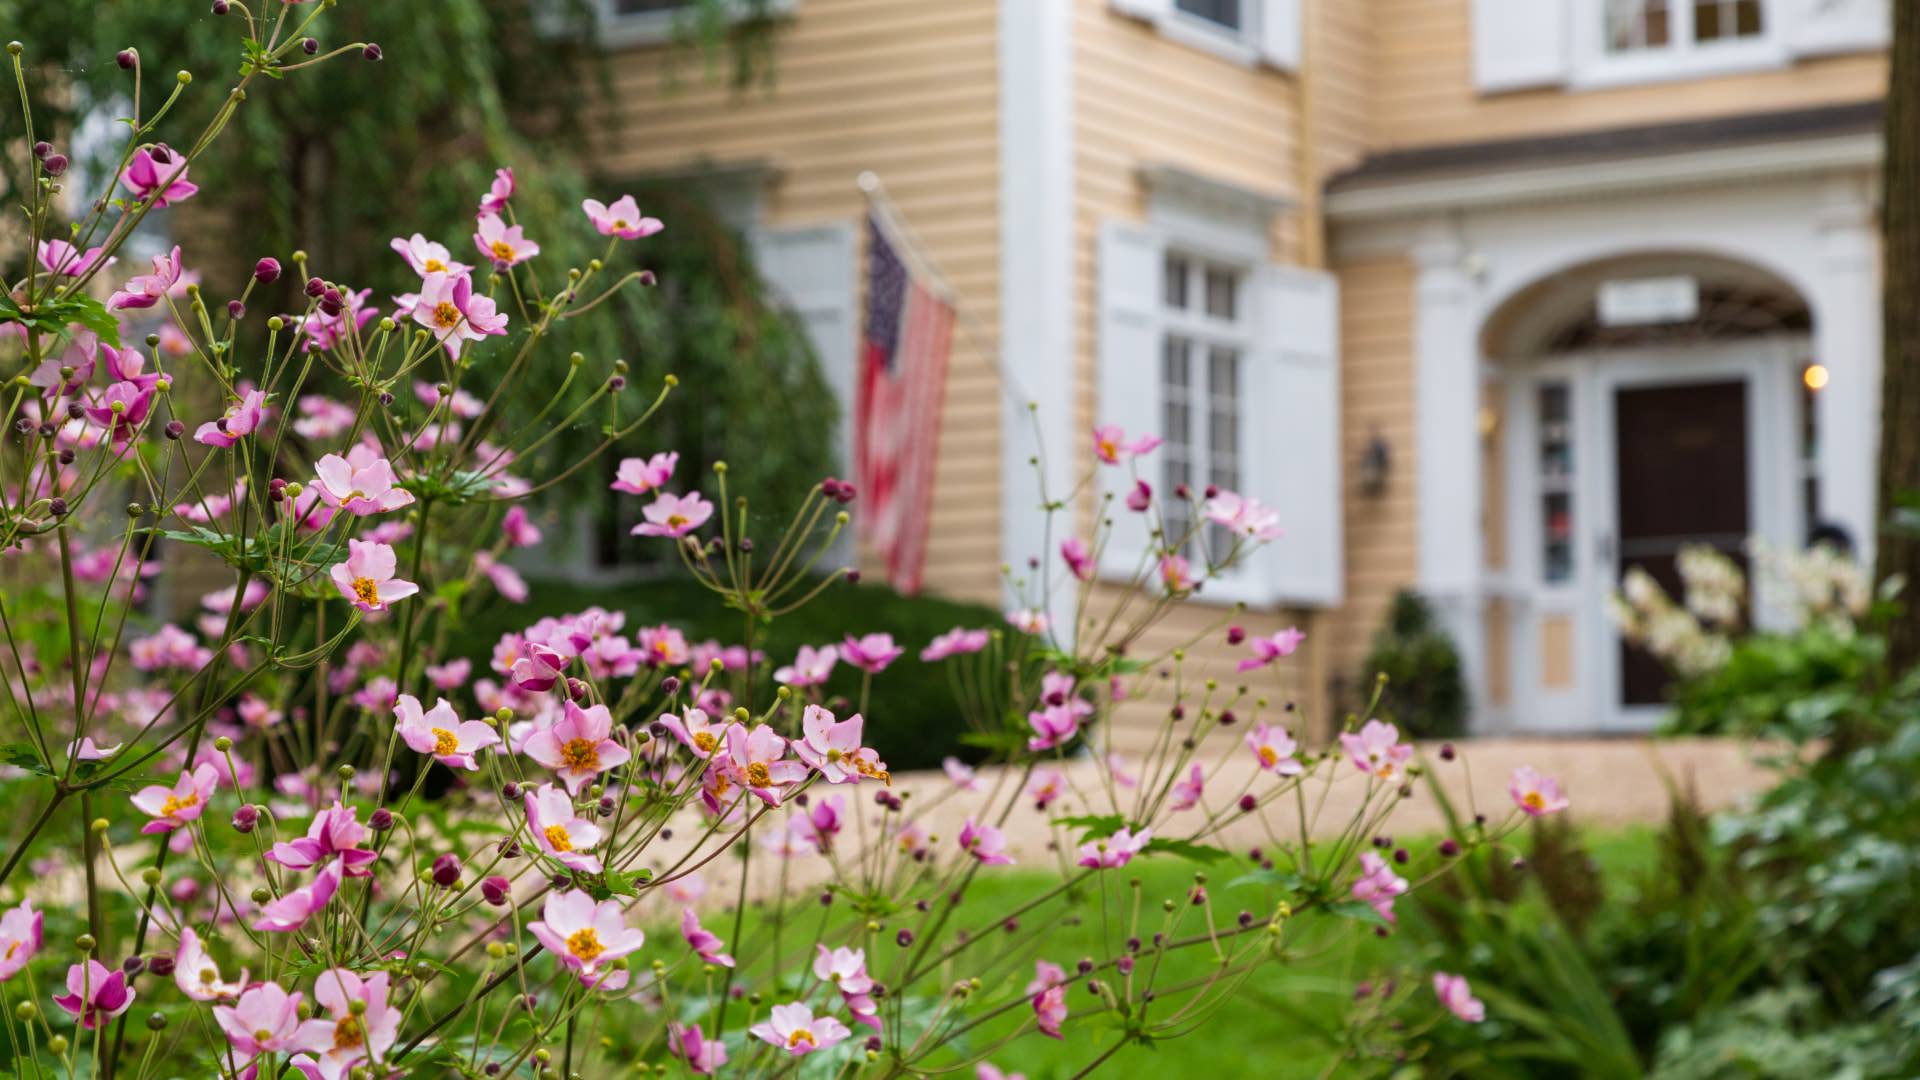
pixel 1632 406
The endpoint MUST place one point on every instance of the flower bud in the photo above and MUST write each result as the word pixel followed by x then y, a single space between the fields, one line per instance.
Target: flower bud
pixel 309 45
pixel 245 818
pixel 495 890
pixel 1247 804
pixel 267 270
pixel 315 287
pixel 236 310
pixel 160 964
pixel 221 7
pixel 1449 847
pixel 55 164
pixel 446 870
pixel 904 938
pixel 510 791
pixel 380 820
pixel 41 149
pixel 1447 752
pixel 175 429
pixel 371 52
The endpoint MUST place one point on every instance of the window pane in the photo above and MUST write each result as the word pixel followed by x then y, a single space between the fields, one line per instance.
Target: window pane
pixel 1175 288
pixel 1657 32
pixel 1174 381
pixel 1746 17
pixel 637 7
pixel 1623 25
pixel 1220 292
pixel 1224 12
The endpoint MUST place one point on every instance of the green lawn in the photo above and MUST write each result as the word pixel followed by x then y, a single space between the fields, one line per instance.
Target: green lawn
pixel 1273 1025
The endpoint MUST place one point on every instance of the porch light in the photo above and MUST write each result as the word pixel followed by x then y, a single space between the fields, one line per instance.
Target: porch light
pixel 1815 376
pixel 1375 462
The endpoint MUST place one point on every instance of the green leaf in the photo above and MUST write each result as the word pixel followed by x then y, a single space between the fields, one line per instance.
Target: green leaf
pixel 1186 849
pixel 94 315
pixel 1095 826
pixel 23 756
pixel 617 883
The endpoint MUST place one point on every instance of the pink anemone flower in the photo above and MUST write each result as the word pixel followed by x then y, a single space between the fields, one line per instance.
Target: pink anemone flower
pixel 367 577
pixel 579 746
pixel 558 831
pixel 95 994
pixel 623 219
pixel 795 1029
pixel 452 741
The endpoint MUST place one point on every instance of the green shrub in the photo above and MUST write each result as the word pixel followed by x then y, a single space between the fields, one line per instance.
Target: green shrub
pixel 913 718
pixel 1425 693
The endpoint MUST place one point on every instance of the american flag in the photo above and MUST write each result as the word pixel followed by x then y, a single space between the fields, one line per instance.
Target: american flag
pixel 903 382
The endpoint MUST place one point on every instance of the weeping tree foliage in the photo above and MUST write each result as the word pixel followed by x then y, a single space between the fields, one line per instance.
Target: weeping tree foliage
pixel 352 153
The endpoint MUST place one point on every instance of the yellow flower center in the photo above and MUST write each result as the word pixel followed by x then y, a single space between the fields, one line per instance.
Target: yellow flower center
pixel 209 976
pixel 1534 801
pixel 872 772
pixel 834 755
pixel 581 754
pixel 177 803
pixel 758 775
pixel 800 1036
pixel 558 839
pixel 1268 758
pixel 445 742
pixel 707 741
pixel 1109 448
pixel 12 947
pixel 446 315
pixel 502 250
pixel 620 223
pixel 348 1034
pixel 584 944
pixel 263 1035
pixel 367 590
pixel 675 521
pixel 432 265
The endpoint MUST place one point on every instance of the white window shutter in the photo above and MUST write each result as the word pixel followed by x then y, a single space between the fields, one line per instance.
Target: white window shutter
pixel 1520 44
pixel 1826 27
pixel 1294 413
pixel 1150 10
pixel 1280 31
pixel 1130 267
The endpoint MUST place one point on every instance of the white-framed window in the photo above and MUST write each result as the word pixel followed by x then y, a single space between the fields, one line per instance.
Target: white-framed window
pixel 1204 342
pixel 1626 41
pixel 1244 31
pixel 646 22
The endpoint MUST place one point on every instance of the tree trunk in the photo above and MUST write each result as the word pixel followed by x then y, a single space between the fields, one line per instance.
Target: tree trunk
pixel 1899 551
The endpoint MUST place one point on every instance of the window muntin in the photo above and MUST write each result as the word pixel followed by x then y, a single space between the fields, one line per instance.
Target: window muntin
pixel 646 7
pixel 1201 380
pixel 1678 26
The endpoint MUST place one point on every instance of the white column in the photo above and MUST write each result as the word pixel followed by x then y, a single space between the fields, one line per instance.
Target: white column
pixel 1037 353
pixel 1447 446
pixel 1846 332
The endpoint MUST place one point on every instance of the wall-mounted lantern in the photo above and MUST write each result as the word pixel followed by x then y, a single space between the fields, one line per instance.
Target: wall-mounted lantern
pixel 1376 462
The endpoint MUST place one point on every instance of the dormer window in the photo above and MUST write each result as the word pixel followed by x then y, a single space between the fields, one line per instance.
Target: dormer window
pixel 1225 14
pixel 1640 25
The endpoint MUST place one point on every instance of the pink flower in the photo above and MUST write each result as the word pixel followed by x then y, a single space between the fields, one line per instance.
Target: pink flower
pixel 197 976
pixel 958 641
pixel 451 675
pixel 506 245
pixel 810 668
pixel 506 580
pixel 756 759
pixel 1243 516
pixel 584 935
pixel 960 773
pixel 1141 497
pixel 1378 884
pixel 1187 793
pixel 835 750
pixel 266 1020
pixel 1028 621
pixel 846 970
pixel 1052 726
pixel 1114 851
pixel 1457 996
pixel 334 834
pixel 871 653
pixel 986 1070
pixel 239 421
pixel 1079 559
pixel 579 746
pixel 348 1037
pixel 427 257
pixel 821 823
pixel 186 800
pixel 95 994
pixel 559 831
pixel 21 935
pixel 1176 574
pixel 291 911
pixel 62 258
pixel 1377 749
pixel 1535 794
pixel 1110 444
pixel 622 219
pixel 703 1057
pixel 322 417
pixel 168 647
pixel 519 530
pixel 366 578
pixel 451 741
pixel 360 483
pixel 699 734
pixel 1050 1011
pixel 985 843
pixel 326 331
pixel 448 307
pixel 122 409
pixel 1046 787
pixel 159 173
pixel 794 1028
pixel 703 941
pixel 674 515
pixel 1117 768
pixel 1274 748
pixel 664 646
pixel 1268 649
pixel 146 290
pixel 495 200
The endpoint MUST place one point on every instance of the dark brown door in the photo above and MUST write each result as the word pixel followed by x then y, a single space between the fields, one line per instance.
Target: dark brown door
pixel 1681 463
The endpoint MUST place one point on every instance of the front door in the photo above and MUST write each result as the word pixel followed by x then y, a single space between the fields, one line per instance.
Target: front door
pixel 1682 476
